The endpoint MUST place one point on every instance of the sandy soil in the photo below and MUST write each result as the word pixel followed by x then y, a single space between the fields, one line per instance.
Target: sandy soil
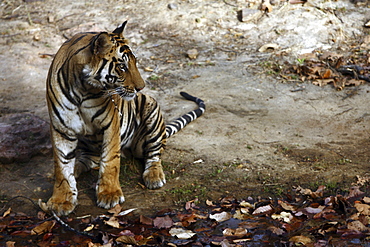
pixel 258 136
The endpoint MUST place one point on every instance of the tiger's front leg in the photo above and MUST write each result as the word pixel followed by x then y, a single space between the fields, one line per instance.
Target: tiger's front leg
pixel 108 189
pixel 64 198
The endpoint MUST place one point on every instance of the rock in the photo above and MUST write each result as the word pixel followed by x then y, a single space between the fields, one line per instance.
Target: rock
pixel 367 24
pixel 172 6
pixel 51 19
pixel 268 47
pixel 247 14
pixel 23 136
pixel 192 53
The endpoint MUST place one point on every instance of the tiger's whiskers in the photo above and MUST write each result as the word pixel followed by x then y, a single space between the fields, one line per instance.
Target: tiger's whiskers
pixel 115 106
pixel 110 93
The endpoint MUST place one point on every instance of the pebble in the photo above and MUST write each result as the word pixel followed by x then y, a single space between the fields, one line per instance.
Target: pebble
pixel 51 19
pixel 247 14
pixel 192 53
pixel 172 6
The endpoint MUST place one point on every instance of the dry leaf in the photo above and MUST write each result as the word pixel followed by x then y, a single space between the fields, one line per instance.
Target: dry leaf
pixel 10 244
pixel 89 228
pixel 276 230
pixel 300 240
pixel 115 210
pixel 223 243
pixel 362 180
pixel 246 204
pixel 366 199
pixel 7 212
pixel 241 240
pixel 43 206
pixel 323 82
pixel 285 216
pixel 363 209
pixel 354 82
pixel 263 210
pixel 187 219
pixel 286 206
pixel 44 227
pixel 181 233
pixel 327 74
pixel 146 220
pixel 148 69
pixel 355 192
pixel 357 226
pixel 239 215
pixel 126 211
pixel 41 215
pixel 239 232
pixel 303 191
pixel 209 203
pixel 126 239
pixel 311 210
pixel 163 222
pixel 190 205
pixel 220 217
pixel 113 221
pixel 244 210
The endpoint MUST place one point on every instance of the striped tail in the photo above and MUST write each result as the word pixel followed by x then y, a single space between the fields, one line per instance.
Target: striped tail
pixel 178 124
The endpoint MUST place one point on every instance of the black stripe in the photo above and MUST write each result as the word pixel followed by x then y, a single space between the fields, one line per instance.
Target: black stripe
pixel 99 112
pixel 71 139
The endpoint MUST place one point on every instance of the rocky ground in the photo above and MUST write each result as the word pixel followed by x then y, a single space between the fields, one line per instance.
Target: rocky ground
pixel 261 134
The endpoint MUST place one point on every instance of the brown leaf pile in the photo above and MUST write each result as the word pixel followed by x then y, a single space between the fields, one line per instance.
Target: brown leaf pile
pixel 331 68
pixel 304 217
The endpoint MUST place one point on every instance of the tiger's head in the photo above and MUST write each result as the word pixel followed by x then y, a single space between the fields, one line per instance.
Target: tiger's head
pixel 113 65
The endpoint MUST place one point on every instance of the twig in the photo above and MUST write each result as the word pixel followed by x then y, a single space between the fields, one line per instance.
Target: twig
pixel 270 142
pixel 46 55
pixel 344 111
pixel 24 197
pixel 352 93
pixel 65 225
pixel 230 4
pixel 9 35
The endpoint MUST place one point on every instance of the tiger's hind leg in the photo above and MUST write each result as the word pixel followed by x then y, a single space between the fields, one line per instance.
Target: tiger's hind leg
pixel 149 141
pixel 87 154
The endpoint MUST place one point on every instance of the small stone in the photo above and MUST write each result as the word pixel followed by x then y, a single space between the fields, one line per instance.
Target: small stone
pixel 275 2
pixel 51 19
pixel 36 36
pixel 367 24
pixel 247 14
pixel 269 47
pixel 192 53
pixel 172 6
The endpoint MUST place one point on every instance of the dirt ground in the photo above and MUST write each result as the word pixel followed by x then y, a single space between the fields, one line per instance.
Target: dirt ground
pixel 258 137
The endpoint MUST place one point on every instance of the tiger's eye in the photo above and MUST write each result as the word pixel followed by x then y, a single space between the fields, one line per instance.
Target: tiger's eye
pixel 122 66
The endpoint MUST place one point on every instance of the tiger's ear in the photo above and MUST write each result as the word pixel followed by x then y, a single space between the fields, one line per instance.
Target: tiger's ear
pixel 119 29
pixel 102 44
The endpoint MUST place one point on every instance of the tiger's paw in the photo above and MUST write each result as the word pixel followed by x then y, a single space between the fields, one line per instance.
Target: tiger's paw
pixel 61 206
pixel 109 197
pixel 153 176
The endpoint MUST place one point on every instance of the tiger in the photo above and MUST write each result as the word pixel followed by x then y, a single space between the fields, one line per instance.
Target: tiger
pixel 97 112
